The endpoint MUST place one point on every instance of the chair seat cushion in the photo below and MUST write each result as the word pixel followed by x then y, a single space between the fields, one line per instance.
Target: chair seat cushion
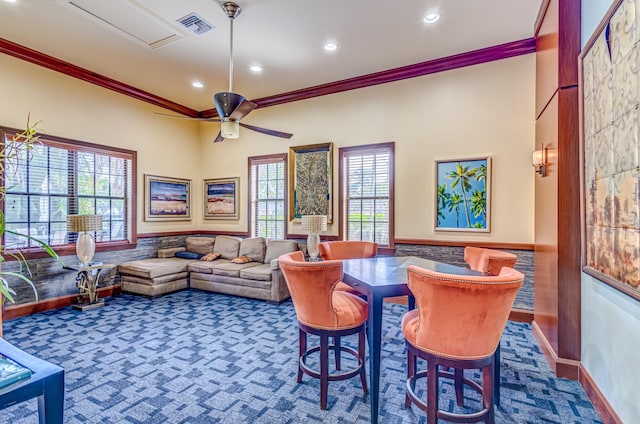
pixel 344 287
pixel 351 311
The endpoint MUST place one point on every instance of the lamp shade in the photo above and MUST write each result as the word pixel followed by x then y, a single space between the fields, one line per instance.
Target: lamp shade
pixel 80 223
pixel 314 223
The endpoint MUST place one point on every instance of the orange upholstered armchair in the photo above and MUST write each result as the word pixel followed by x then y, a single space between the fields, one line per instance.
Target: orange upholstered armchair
pixel 325 312
pixel 457 324
pixel 488 260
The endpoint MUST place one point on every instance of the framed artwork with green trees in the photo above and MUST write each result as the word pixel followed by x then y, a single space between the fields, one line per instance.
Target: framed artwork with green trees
pixel 462 194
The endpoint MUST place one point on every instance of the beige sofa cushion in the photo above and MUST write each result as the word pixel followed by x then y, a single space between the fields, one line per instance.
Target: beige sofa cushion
pixel 260 273
pixel 275 248
pixel 201 245
pixel 227 246
pixel 253 248
pixel 232 270
pixel 206 267
pixel 154 267
pixel 158 280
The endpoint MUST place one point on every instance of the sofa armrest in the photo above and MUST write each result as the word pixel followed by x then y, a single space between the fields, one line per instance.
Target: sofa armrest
pixel 279 289
pixel 275 265
pixel 169 253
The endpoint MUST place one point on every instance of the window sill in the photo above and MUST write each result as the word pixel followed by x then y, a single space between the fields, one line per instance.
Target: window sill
pixel 67 250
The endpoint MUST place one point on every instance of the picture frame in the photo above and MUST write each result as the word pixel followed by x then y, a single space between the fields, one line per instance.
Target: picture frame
pixel 166 198
pixel 221 198
pixel 463 194
pixel 311 181
pixel 609 93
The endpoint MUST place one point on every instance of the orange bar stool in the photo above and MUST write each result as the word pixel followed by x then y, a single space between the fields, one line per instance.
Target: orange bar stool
pixel 457 324
pixel 325 312
pixel 488 260
pixel 347 249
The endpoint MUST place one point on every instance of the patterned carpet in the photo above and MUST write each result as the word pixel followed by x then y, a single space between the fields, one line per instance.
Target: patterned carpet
pixel 196 357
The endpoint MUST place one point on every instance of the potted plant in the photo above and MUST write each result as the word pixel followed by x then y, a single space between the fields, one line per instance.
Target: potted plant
pixel 17 147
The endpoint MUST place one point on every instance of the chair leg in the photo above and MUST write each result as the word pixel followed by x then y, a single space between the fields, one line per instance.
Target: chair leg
pixel 458 377
pixel 336 344
pixel 411 370
pixel 363 371
pixel 432 392
pixel 324 370
pixel 487 392
pixel 302 342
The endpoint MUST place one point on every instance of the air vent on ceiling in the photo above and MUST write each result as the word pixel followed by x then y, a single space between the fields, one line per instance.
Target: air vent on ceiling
pixel 131 19
pixel 195 23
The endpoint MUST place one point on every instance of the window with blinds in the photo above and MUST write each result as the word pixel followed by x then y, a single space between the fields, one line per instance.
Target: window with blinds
pixel 267 217
pixel 56 179
pixel 367 193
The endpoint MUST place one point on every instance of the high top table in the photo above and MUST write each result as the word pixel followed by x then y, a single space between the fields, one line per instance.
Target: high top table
pixel 380 277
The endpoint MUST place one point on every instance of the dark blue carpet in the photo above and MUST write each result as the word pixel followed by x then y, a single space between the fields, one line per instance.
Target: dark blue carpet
pixel 196 357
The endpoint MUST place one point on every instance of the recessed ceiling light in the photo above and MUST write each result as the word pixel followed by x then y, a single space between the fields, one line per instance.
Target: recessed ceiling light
pixel 197 84
pixel 330 47
pixel 255 68
pixel 431 18
pixel 10 1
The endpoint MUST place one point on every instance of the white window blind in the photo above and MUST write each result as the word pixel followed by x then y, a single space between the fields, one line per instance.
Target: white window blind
pixel 54 180
pixel 367 193
pixel 267 211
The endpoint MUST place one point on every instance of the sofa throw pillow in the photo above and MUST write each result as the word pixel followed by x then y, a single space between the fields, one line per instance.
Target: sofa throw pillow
pixel 210 257
pixel 253 248
pixel 188 255
pixel 241 260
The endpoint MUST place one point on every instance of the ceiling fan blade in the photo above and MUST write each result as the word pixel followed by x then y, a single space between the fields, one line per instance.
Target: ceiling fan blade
pixel 187 117
pixel 219 138
pixel 242 110
pixel 226 103
pixel 266 131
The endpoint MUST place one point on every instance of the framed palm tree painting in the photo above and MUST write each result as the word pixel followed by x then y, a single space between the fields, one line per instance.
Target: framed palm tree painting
pixel 463 195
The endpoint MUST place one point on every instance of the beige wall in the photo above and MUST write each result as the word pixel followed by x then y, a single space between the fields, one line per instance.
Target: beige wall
pixel 480 110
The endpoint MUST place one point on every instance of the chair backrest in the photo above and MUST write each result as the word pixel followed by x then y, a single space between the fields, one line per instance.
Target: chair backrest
pixel 462 317
pixel 488 260
pixel 348 249
pixel 311 286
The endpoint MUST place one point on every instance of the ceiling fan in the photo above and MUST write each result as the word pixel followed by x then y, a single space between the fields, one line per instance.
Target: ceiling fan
pixel 232 107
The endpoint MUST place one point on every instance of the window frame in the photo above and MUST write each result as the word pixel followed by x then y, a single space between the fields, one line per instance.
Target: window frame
pixel 262 160
pixel 130 241
pixel 362 150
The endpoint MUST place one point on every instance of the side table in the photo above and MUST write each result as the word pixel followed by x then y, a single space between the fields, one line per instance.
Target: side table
pixel 87 282
pixel 46 383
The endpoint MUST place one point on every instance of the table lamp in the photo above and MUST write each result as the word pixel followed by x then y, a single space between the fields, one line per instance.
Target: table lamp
pixel 84 225
pixel 313 224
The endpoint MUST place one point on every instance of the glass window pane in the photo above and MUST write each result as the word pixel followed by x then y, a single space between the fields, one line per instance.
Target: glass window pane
pixel 86 206
pixel 16 208
pixel 59 209
pixel 85 184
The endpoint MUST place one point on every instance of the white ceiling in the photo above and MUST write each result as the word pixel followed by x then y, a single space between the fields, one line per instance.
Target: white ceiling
pixel 286 37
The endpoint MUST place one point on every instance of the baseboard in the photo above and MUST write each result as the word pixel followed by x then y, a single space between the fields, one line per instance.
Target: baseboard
pixel 562 367
pixel 24 309
pixel 602 406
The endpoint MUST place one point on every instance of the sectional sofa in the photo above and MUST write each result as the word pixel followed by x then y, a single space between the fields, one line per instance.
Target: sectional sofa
pixel 257 274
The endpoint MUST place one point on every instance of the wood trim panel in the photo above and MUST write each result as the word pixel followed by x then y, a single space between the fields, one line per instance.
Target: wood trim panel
pixel 569 34
pixel 50 62
pixel 564 368
pixel 24 309
pixel 541 14
pixel 600 403
pixel 70 249
pixel 475 57
pixel 521 315
pixel 486 244
pixel 193 233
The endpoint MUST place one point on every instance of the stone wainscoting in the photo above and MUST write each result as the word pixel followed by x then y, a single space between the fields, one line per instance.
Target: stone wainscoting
pixel 52 281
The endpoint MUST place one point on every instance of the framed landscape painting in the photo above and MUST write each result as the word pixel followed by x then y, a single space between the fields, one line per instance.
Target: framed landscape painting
pixel 463 195
pixel 166 199
pixel 221 198
pixel 311 182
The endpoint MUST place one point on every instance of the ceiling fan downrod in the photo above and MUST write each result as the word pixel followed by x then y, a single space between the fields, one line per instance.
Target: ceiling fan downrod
pixel 232 10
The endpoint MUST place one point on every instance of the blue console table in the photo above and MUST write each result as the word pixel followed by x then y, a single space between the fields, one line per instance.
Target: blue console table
pixel 46 383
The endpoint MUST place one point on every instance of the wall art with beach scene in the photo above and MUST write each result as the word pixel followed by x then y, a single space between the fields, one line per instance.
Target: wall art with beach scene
pixel 221 198
pixel 610 95
pixel 462 194
pixel 166 199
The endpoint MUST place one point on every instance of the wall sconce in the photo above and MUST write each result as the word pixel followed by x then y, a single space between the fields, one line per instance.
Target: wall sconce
pixel 539 161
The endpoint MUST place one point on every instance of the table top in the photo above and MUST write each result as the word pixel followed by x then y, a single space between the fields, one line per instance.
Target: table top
pixel 391 271
pixel 97 265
